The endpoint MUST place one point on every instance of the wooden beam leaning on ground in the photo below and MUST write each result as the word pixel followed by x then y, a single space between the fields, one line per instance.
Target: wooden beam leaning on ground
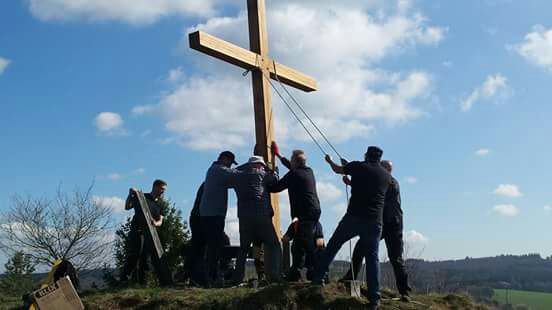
pixel 248 60
pixel 152 230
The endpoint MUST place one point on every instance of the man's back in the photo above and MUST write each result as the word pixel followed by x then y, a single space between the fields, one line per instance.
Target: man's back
pixel 369 183
pixel 214 201
pixel 253 196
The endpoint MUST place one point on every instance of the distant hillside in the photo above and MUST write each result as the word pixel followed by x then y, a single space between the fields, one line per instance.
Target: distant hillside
pixel 525 272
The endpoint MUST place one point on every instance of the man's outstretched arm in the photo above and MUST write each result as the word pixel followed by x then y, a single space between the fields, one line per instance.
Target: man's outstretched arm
pixel 284 160
pixel 335 167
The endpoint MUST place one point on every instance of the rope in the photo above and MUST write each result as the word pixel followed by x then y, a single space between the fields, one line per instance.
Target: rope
pixel 295 115
pixel 353 273
pixel 304 112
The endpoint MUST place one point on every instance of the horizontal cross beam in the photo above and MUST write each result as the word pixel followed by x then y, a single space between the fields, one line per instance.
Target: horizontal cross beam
pixel 248 60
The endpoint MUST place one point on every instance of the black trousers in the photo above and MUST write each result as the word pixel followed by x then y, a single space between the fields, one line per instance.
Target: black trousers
pixel 195 258
pixel 140 249
pixel 393 236
pixel 303 249
pixel 212 228
pixel 255 230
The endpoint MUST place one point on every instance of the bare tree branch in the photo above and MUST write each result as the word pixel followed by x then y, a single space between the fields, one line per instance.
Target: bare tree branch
pixel 72 226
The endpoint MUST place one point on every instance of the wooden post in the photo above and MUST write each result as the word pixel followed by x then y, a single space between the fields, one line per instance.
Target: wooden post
pixel 264 130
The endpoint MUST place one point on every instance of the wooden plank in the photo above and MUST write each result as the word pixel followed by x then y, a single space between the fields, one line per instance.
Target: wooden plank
pixel 152 230
pixel 258 36
pixel 59 295
pixel 293 78
pixel 222 50
pixel 247 60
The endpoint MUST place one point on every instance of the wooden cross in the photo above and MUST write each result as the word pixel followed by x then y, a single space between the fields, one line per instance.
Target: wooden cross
pixel 257 60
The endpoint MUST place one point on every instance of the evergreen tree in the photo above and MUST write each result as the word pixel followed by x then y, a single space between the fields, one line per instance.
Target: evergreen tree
pixel 174 234
pixel 17 279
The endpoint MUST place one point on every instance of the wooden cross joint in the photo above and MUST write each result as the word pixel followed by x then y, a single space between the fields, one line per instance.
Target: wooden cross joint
pixel 249 60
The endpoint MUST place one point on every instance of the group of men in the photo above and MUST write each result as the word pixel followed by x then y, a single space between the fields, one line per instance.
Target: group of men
pixel 373 213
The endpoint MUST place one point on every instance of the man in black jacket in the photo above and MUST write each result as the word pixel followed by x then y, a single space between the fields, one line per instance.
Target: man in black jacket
pixel 392 234
pixel 304 205
pixel 364 217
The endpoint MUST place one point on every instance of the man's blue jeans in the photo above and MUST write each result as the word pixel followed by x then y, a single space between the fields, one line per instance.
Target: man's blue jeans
pixel 370 234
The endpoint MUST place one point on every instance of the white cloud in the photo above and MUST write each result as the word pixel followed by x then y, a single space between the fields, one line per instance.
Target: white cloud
pixel 110 124
pixel 136 12
pixel 114 176
pixel 537 47
pixel 547 208
pixel 494 88
pixel 353 97
pixel 506 210
pixel 415 237
pixel 508 190
pixel 4 63
pixel 116 204
pixel 175 75
pixel 328 192
pixel 140 171
pixel 411 180
pixel 482 152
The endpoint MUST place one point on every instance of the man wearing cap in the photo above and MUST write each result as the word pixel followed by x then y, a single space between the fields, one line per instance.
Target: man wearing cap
pixel 369 183
pixel 255 217
pixel 304 205
pixel 392 234
pixel 212 209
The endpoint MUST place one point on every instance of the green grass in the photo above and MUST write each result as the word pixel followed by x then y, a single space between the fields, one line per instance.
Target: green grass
pixel 9 302
pixel 292 296
pixel 534 300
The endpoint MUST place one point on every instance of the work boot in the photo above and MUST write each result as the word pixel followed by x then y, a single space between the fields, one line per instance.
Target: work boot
pixel 405 298
pixel 293 276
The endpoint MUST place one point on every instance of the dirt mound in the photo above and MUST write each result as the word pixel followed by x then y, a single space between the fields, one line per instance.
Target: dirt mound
pixel 274 297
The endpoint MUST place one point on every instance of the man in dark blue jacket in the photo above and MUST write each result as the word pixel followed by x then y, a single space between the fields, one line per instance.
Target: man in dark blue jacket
pixel 255 217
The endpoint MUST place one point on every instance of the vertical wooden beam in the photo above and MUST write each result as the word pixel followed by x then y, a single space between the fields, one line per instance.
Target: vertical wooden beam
pixel 258 42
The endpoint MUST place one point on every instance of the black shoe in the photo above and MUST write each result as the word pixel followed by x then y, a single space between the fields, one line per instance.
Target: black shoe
pixel 405 298
pixel 293 276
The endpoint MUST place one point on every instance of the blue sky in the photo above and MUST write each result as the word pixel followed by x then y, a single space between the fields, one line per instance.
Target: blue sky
pixel 456 93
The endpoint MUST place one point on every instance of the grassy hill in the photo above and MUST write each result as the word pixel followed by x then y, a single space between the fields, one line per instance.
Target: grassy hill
pixel 533 300
pixel 294 296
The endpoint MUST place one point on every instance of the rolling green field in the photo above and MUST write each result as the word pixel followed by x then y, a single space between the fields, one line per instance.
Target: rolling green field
pixel 534 300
